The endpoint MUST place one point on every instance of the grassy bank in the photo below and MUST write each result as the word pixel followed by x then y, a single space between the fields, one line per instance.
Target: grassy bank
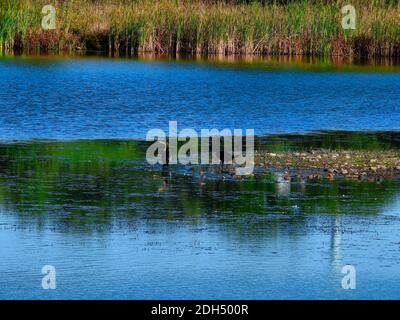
pixel 203 27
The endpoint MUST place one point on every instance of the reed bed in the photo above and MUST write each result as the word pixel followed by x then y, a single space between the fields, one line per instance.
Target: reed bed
pixel 129 27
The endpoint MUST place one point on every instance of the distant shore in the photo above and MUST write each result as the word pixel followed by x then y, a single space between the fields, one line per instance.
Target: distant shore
pixel 127 27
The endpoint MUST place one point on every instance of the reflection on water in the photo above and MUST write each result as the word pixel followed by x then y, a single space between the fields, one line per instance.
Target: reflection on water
pixel 353 140
pixel 115 227
pixel 335 241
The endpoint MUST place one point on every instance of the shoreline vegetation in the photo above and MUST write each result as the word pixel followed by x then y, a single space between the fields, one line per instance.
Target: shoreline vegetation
pixel 269 27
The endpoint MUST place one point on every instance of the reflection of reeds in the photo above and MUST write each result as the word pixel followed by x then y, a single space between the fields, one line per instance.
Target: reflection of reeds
pixel 204 27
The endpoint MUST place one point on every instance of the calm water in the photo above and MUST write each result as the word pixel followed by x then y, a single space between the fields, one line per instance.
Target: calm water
pixel 116 227
pixel 100 98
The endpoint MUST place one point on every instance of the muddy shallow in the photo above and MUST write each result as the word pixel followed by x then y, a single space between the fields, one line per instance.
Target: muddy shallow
pixel 372 165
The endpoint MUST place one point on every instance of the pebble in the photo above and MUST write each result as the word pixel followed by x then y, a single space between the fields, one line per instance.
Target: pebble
pixel 353 164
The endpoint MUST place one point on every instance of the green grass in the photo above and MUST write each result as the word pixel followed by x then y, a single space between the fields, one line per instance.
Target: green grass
pixel 304 27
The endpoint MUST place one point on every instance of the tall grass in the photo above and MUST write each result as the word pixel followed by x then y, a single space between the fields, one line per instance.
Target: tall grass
pixel 269 27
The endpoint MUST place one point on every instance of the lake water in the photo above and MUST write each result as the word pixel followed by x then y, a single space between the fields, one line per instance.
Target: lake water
pixel 115 227
pixel 105 98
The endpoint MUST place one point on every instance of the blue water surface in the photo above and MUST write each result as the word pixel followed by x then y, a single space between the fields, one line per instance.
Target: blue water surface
pixel 105 98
